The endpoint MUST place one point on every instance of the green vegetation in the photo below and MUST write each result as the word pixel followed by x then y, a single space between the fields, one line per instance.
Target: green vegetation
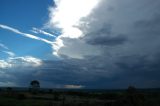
pixel 129 97
pixel 27 102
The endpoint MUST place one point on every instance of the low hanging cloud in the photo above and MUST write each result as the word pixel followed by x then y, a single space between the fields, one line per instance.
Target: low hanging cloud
pixel 25 61
pixel 73 86
pixel 24 66
pixel 20 62
pixel 8 84
pixel 4 64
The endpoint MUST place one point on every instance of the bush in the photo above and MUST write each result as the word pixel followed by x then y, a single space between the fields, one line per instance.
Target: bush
pixel 21 96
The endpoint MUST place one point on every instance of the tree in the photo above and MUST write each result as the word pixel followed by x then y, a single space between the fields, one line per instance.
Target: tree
pixel 131 90
pixel 34 86
pixel 9 89
pixel 133 97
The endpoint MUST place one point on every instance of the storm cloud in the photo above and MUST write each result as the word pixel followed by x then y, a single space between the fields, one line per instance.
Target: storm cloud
pixel 119 46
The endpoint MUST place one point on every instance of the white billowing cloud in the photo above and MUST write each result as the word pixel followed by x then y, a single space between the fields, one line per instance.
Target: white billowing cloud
pixel 36 30
pixel 3 46
pixel 67 16
pixel 4 64
pixel 74 86
pixel 25 61
pixel 13 62
pixel 24 34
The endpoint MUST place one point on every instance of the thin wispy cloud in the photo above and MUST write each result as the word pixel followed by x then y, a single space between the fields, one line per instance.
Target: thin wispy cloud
pixel 24 34
pixel 39 31
pixel 7 50
pixel 11 54
pixel 3 46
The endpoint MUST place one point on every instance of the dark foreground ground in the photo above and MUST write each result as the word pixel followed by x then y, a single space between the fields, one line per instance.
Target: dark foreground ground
pixel 50 97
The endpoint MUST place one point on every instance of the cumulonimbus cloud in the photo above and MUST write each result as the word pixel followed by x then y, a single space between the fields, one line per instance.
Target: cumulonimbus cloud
pixel 67 16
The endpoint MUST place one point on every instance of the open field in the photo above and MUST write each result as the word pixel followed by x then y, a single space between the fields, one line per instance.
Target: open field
pixel 51 97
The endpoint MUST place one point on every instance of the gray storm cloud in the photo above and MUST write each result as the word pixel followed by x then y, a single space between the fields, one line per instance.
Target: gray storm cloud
pixel 119 46
pixel 115 30
pixel 111 28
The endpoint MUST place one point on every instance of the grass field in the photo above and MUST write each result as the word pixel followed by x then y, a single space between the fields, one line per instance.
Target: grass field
pixel 80 98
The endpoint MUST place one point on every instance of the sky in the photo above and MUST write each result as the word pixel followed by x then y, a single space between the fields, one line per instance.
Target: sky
pixel 98 44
